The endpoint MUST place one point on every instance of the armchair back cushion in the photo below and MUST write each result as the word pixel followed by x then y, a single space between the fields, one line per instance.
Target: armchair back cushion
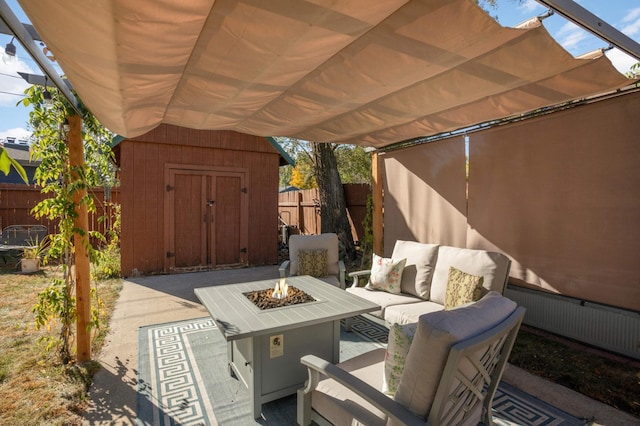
pixel 419 267
pixel 435 335
pixel 327 241
pixel 490 265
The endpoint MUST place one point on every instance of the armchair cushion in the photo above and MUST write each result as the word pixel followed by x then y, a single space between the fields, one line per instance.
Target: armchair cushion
pixel 400 338
pixel 418 270
pixel 386 274
pixel 462 288
pixel 331 279
pixel 327 241
pixel 312 262
pixel 435 334
pixel 342 406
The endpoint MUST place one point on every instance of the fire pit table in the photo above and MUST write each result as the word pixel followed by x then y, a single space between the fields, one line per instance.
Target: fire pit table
pixel 264 346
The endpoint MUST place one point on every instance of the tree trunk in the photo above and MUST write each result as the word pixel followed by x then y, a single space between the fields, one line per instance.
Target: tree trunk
pixel 333 206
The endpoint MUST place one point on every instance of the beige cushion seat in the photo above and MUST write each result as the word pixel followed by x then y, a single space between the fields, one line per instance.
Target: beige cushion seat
pixel 331 279
pixel 416 277
pixel 382 298
pixel 407 313
pixel 344 407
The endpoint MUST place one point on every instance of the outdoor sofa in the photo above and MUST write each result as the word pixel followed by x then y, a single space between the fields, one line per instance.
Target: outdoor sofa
pixel 425 277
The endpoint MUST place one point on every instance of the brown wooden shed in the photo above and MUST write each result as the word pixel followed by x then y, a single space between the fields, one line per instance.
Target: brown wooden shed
pixel 197 199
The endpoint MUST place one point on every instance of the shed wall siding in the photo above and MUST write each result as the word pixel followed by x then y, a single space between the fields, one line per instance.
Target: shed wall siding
pixel 143 190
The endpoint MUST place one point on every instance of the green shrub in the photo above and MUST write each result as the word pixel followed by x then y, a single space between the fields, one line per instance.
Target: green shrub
pixel 107 264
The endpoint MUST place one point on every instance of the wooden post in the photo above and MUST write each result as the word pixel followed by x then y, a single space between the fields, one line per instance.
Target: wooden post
pixel 300 211
pixel 80 242
pixel 377 216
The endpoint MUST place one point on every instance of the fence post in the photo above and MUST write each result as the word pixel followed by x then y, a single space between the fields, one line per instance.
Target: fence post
pixel 300 211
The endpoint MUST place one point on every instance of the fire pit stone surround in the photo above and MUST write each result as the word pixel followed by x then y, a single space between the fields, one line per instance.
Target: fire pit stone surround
pixel 264 299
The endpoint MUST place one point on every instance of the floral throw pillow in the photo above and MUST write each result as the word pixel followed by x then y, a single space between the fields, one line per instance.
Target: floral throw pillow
pixel 386 274
pixel 400 338
pixel 462 288
pixel 312 262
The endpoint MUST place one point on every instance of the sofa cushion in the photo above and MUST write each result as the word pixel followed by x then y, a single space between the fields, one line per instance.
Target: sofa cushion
pixel 435 335
pixel 382 298
pixel 343 407
pixel 312 262
pixel 400 338
pixel 327 241
pixel 462 288
pixel 418 270
pixel 408 313
pixel 385 274
pixel 493 267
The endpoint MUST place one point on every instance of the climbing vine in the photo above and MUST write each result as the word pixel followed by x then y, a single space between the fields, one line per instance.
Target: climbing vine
pixel 56 304
pixel 366 242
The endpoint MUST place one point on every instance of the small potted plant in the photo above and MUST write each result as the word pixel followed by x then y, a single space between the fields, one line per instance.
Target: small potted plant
pixel 32 256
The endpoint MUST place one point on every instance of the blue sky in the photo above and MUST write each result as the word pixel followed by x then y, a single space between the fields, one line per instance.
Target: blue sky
pixel 622 14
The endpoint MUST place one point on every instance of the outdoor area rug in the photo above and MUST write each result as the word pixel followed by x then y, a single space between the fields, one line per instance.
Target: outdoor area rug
pixel 183 379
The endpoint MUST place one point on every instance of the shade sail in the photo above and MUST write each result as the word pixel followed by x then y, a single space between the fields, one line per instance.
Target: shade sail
pixel 354 71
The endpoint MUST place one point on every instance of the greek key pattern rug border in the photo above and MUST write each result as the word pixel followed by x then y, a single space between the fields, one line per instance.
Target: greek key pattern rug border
pixel 174 384
pixel 172 391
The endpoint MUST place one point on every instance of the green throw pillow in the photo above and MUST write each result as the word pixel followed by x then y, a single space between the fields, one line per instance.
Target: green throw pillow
pixel 312 262
pixel 400 338
pixel 462 288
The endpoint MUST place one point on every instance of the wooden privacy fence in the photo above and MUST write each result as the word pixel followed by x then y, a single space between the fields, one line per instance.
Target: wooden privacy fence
pixel 16 202
pixel 301 209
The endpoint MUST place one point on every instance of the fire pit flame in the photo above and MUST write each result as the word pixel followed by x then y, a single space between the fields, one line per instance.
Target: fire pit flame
pixel 276 297
pixel 281 289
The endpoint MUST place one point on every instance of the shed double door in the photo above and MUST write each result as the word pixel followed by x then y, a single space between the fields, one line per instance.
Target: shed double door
pixel 207 219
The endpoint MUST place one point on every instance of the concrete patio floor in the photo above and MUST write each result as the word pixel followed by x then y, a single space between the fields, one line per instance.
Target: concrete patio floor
pixel 167 298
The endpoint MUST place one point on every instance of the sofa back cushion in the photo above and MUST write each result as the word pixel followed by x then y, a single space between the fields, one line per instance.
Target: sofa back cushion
pixel 328 241
pixel 494 267
pixel 436 333
pixel 418 269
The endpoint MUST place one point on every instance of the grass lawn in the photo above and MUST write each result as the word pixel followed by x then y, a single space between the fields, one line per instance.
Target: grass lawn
pixel 35 388
pixel 611 379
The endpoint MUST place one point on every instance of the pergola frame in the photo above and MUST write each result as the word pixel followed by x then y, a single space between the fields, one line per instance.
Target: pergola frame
pixel 580 16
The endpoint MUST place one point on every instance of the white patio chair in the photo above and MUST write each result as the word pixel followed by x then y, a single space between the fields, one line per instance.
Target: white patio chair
pixel 452 370
pixel 309 245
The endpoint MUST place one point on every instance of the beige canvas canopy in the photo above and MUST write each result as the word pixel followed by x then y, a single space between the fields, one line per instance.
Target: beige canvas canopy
pixel 357 71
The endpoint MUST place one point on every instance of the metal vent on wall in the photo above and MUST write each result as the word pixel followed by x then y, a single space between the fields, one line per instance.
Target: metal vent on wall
pixel 610 328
